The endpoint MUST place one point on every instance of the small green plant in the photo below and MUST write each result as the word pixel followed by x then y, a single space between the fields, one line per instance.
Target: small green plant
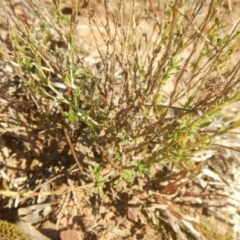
pixel 10 231
pixel 144 97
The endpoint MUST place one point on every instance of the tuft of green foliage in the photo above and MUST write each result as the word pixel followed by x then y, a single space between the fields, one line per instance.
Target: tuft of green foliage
pixel 145 98
pixel 10 231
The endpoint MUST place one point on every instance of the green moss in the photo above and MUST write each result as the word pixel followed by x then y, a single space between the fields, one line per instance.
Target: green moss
pixel 210 233
pixel 10 231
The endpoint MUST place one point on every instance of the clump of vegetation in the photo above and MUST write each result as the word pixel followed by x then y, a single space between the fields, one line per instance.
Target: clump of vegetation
pixel 132 95
pixel 10 231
